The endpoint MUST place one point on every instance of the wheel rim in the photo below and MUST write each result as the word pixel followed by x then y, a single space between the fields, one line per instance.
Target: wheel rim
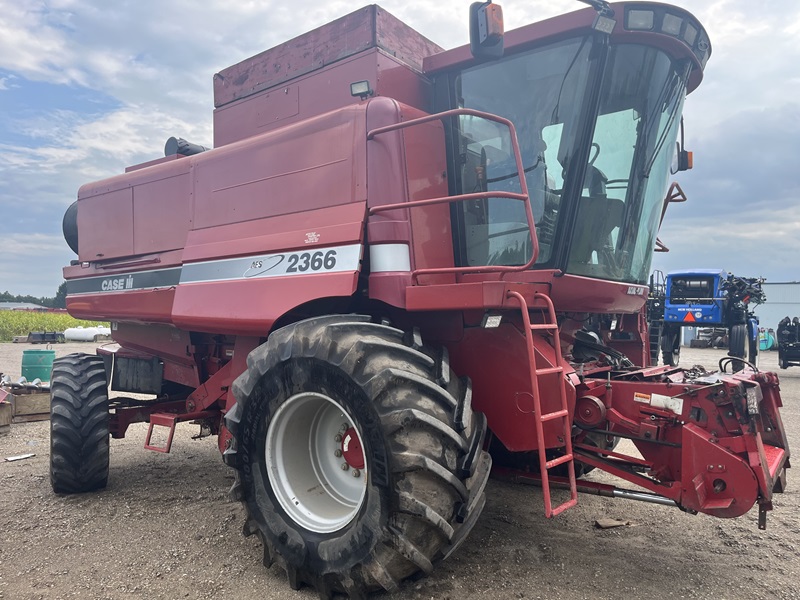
pixel 317 477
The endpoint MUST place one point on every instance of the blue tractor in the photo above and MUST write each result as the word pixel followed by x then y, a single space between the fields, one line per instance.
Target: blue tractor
pixel 706 298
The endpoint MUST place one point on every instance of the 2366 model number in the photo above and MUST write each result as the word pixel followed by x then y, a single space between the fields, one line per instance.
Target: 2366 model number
pixel 315 261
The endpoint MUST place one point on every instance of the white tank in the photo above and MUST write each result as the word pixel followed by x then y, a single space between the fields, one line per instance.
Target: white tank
pixel 86 334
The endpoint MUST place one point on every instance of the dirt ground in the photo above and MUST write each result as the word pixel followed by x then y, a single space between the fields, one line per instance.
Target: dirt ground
pixel 165 529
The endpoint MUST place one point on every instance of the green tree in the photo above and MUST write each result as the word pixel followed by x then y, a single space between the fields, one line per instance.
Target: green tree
pixel 60 301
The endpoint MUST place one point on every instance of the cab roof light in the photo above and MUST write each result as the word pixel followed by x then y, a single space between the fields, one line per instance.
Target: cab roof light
pixel 690 35
pixel 671 24
pixel 665 20
pixel 641 20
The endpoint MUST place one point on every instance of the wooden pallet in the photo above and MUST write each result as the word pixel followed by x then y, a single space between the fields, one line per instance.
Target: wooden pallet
pixel 26 407
pixel 5 416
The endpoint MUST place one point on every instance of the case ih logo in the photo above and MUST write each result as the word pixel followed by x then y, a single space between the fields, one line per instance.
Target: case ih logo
pixel 117 283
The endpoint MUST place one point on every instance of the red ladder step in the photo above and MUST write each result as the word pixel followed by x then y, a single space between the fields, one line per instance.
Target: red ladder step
pixel 168 420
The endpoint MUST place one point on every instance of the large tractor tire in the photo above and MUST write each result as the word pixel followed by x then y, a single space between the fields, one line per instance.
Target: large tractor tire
pixel 737 346
pixel 752 345
pixel 359 459
pixel 79 436
pixel 671 346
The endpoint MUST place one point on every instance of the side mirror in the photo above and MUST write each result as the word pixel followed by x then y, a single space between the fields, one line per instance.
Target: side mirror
pixel 683 159
pixel 486 30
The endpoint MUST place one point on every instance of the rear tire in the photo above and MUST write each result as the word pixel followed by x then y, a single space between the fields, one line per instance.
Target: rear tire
pixel 737 345
pixel 423 470
pixel 752 345
pixel 671 346
pixel 79 442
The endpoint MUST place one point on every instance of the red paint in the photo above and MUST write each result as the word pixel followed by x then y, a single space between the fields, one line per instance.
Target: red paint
pixel 351 448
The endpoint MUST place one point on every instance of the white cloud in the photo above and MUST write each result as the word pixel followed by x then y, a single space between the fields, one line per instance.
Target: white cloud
pixel 26 245
pixel 156 59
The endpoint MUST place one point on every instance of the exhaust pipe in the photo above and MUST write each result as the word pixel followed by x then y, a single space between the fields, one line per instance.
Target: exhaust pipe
pixel 181 146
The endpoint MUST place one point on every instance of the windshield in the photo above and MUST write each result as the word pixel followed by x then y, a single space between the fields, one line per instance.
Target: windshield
pixel 632 146
pixel 544 92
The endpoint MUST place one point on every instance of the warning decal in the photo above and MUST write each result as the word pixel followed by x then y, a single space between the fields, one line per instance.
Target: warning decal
pixel 640 397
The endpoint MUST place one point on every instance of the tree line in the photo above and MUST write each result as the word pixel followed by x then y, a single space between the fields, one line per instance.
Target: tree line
pixel 58 301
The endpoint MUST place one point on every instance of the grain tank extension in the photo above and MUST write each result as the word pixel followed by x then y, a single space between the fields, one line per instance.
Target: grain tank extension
pixel 400 268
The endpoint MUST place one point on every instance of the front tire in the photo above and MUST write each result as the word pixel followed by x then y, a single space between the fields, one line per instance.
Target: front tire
pixel 421 468
pixel 671 346
pixel 79 435
pixel 752 345
pixel 737 346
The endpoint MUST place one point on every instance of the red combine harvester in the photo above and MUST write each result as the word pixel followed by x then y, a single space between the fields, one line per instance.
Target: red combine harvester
pixel 397 262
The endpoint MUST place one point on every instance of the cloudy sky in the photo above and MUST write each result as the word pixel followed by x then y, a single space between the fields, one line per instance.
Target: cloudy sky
pixel 89 87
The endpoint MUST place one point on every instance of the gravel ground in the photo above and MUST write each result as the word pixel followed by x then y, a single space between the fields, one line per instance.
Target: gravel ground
pixel 164 529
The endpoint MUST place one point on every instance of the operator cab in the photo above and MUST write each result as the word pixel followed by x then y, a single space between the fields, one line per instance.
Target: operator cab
pixel 597 118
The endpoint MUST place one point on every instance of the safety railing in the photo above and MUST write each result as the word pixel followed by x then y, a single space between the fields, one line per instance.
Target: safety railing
pixel 523 196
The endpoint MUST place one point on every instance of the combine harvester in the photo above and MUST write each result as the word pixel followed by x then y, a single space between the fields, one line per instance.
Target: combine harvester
pixel 391 251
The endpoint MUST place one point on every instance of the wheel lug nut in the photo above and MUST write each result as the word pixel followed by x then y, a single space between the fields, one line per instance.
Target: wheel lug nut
pixel 345 427
pixel 337 453
pixel 345 466
pixel 337 438
pixel 356 473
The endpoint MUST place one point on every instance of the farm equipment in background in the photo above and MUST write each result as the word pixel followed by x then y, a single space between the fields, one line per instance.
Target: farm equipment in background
pixel 706 299
pixel 788 335
pixel 395 258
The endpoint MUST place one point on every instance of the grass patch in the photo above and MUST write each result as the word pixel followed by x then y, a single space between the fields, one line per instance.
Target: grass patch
pixel 18 322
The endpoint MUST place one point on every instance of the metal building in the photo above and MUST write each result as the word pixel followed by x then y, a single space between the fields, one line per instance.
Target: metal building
pixel 783 300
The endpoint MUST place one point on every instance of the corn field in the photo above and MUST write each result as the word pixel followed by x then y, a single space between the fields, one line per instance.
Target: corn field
pixel 15 322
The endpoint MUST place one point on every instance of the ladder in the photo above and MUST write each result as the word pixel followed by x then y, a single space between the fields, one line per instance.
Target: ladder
pixel 549 327
pixel 654 341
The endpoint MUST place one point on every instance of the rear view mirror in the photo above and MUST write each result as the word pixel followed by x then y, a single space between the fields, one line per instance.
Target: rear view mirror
pixel 682 160
pixel 486 30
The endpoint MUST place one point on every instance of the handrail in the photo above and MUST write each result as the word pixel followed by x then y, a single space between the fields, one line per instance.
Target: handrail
pixel 524 196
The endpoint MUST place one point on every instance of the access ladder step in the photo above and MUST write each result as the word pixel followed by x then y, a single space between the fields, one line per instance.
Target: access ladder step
pixel 549 370
pixel 558 461
pixel 555 415
pixel 168 420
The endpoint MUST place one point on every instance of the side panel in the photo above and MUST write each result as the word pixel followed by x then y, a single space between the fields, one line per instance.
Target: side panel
pixel 105 223
pixel 180 228
pixel 162 214
pixel 496 361
pixel 279 221
pixel 317 163
pixel 404 166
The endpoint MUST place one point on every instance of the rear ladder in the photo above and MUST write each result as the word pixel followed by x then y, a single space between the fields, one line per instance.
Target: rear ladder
pixel 549 328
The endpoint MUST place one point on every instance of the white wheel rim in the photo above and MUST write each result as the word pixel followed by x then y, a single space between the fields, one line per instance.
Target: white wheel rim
pixel 318 489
